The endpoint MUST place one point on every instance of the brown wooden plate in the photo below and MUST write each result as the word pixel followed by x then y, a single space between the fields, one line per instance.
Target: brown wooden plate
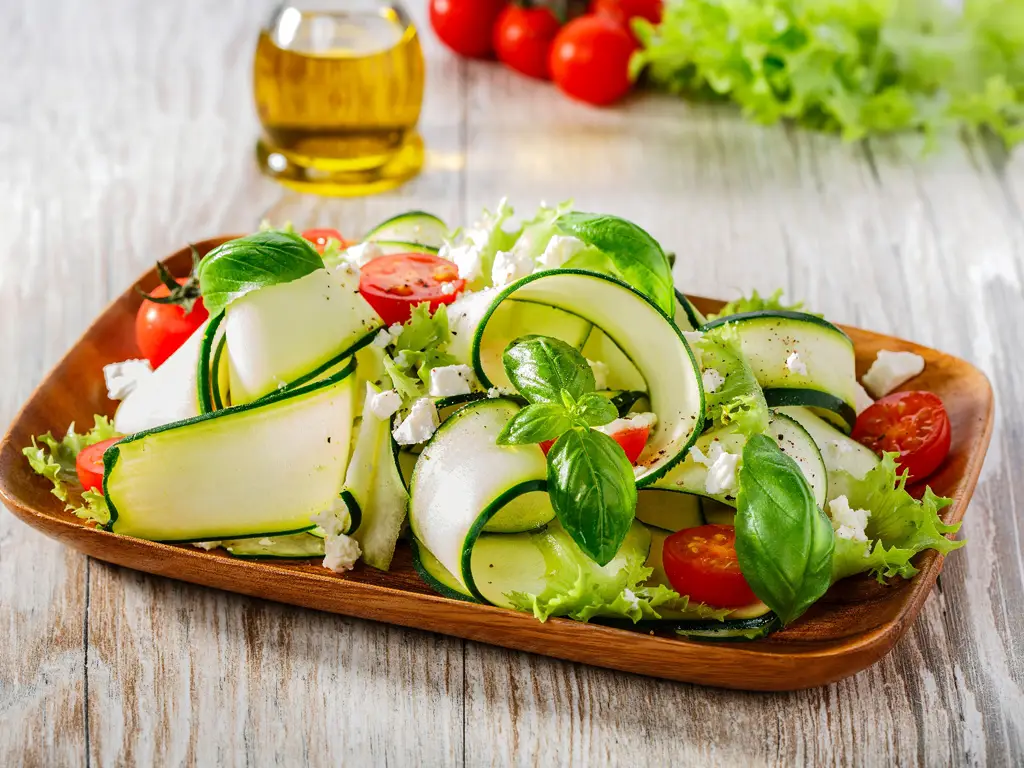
pixel 852 627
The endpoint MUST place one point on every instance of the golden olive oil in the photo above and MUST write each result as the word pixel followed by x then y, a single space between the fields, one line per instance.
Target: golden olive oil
pixel 338 94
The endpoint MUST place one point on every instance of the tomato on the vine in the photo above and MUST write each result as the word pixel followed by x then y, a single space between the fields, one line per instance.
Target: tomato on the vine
pixel 623 11
pixel 394 284
pixel 320 237
pixel 702 563
pixel 590 60
pixel 466 26
pixel 169 314
pixel 523 38
pixel 913 424
pixel 89 464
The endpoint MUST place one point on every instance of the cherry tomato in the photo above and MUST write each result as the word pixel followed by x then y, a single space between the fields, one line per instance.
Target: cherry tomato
pixel 701 562
pixel 590 60
pixel 631 440
pixel 320 237
pixel 466 26
pixel 393 285
pixel 523 38
pixel 89 465
pixel 914 424
pixel 161 328
pixel 623 11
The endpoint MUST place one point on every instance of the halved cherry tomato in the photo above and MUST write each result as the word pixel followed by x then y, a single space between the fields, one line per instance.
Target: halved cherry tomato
pixel 89 464
pixel 590 59
pixel 701 562
pixel 161 328
pixel 393 285
pixel 523 38
pixel 625 10
pixel 631 440
pixel 466 26
pixel 320 237
pixel 913 424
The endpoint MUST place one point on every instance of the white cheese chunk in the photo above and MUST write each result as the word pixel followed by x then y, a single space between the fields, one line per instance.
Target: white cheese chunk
pixel 383 405
pixel 341 553
pixel 601 372
pixel 712 380
pixel 510 266
pixel 419 425
pixel 693 337
pixel 468 258
pixel 207 545
pixel 846 522
pixel 559 250
pixel 449 380
pixel 632 421
pixel 362 254
pixel 122 378
pixel 890 370
pixel 722 467
pixel 796 365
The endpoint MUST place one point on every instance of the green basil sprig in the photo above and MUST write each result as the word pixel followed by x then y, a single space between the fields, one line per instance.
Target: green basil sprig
pixel 783 541
pixel 625 251
pixel 590 480
pixel 255 261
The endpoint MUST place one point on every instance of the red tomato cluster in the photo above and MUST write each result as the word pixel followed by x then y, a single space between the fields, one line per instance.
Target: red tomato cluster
pixel 587 57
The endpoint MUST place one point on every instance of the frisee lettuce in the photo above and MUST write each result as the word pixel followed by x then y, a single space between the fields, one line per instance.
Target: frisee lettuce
pixel 757 303
pixel 898 527
pixel 738 403
pixel 420 347
pixel 55 460
pixel 858 67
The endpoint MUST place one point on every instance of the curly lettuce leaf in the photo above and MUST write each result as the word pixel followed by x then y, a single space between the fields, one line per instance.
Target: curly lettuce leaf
pixel 55 460
pixel 898 527
pixel 757 303
pixel 856 67
pixel 580 589
pixel 420 347
pixel 473 249
pixel 738 402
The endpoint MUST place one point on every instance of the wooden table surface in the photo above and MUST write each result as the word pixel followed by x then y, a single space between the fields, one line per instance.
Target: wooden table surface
pixel 126 130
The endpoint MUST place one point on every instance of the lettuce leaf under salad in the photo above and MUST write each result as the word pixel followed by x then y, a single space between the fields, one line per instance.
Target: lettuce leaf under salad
pixel 755 302
pixel 415 349
pixel 55 460
pixel 737 402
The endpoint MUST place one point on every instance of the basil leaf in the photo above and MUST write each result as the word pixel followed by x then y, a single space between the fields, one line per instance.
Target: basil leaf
pixel 252 262
pixel 535 424
pixel 543 368
pixel 627 252
pixel 593 491
pixel 595 410
pixel 784 542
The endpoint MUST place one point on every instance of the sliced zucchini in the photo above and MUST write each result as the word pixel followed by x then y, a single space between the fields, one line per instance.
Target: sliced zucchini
pixel 220 376
pixel 236 486
pixel 753 628
pixel 622 373
pixel 374 488
pixel 207 372
pixel 637 327
pixel 436 576
pixel 393 247
pixel 687 317
pixel 690 477
pixel 411 227
pixel 668 510
pixel 296 546
pixel 716 513
pixel 270 345
pixel 838 451
pixel 463 479
pixel 170 394
pixel 770 338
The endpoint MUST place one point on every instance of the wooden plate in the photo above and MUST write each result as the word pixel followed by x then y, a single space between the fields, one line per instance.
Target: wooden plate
pixel 853 626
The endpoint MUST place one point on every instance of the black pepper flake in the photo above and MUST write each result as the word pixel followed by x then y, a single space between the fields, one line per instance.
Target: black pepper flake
pixel 328 439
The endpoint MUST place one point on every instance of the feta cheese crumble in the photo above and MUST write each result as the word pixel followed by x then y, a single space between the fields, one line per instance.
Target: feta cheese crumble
pixel 846 522
pixel 449 380
pixel 383 405
pixel 419 425
pixel 559 250
pixel 632 421
pixel 362 254
pixel 341 550
pixel 712 380
pixel 722 467
pixel 890 370
pixel 122 378
pixel 601 372
pixel 207 545
pixel 510 266
pixel 494 393
pixel 387 336
pixel 693 337
pixel 796 365
pixel 631 598
pixel 861 399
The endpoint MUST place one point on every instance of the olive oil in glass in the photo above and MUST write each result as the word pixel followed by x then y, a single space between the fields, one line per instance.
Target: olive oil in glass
pixel 338 88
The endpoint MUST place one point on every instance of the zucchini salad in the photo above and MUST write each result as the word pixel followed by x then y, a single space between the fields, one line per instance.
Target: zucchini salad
pixel 550 425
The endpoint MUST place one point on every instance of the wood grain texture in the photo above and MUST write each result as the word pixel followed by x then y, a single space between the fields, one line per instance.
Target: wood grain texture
pixel 130 132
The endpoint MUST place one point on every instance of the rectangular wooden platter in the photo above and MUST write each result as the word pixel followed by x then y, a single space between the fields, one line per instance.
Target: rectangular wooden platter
pixel 852 627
